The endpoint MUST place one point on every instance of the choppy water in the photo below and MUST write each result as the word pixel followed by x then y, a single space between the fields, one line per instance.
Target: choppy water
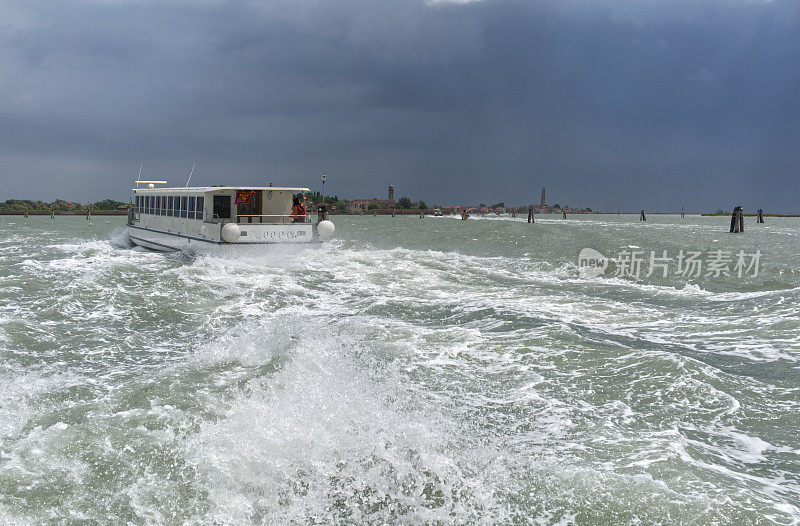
pixel 410 371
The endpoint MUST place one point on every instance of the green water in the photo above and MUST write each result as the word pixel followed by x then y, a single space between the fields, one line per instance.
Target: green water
pixel 411 371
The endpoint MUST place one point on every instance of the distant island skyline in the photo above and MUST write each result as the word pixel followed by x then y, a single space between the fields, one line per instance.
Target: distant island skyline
pixel 63 206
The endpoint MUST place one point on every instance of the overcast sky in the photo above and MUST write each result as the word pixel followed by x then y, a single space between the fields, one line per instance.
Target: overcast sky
pixel 608 103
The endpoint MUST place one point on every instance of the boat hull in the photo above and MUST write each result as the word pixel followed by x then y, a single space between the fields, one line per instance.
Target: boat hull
pixel 251 235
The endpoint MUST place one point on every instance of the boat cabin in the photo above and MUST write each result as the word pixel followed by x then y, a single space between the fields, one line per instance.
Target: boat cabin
pixel 221 204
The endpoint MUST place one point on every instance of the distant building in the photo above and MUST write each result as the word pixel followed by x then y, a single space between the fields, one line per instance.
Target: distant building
pixel 543 201
pixel 360 206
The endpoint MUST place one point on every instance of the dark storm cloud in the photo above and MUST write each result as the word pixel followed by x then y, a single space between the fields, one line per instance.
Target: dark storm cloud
pixel 609 103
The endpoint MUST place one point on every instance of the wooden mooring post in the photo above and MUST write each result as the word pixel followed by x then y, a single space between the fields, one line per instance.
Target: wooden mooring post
pixel 52 214
pixel 530 215
pixel 26 213
pixel 563 214
pixel 737 220
pixel 642 217
pixel 683 210
pixel 760 215
pixel 88 215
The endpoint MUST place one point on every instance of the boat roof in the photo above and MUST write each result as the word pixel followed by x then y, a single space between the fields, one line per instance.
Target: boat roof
pixel 215 188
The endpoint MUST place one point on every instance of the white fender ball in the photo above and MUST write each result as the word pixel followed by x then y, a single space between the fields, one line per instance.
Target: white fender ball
pixel 231 232
pixel 325 229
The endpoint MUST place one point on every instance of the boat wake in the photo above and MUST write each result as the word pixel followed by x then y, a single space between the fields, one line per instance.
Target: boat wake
pixel 356 383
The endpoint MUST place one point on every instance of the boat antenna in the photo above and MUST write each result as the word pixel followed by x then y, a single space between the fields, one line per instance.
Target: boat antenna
pixel 190 175
pixel 149 184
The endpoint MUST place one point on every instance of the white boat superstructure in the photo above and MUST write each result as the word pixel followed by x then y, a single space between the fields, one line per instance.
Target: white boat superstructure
pixel 199 218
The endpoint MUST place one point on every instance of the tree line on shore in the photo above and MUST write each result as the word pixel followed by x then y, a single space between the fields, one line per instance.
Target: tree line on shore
pixel 59 205
pixel 340 205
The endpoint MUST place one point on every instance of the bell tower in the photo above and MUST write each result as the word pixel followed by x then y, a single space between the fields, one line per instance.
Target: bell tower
pixel 543 201
pixel 391 194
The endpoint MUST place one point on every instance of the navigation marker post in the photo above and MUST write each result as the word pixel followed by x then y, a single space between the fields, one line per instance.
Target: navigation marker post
pixel 322 214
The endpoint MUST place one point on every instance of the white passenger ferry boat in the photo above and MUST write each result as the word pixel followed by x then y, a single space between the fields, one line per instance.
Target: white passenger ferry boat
pixel 199 218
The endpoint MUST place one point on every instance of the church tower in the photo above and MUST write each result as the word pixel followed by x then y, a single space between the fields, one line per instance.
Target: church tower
pixel 391 194
pixel 543 201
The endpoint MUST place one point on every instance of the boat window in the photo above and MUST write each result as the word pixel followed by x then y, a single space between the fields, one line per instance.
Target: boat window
pixel 169 205
pixel 176 206
pixel 222 206
pixel 184 205
pixel 191 207
pixel 200 201
pixel 162 205
pixel 158 205
pixel 147 204
pixel 138 208
pixel 248 205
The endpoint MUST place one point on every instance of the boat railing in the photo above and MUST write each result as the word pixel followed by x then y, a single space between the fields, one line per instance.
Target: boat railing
pixel 272 219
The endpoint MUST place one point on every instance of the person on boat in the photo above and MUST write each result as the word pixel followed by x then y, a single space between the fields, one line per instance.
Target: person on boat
pixel 298 211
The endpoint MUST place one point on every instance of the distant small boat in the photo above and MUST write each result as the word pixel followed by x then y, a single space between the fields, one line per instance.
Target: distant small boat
pixel 204 217
pixel 437 212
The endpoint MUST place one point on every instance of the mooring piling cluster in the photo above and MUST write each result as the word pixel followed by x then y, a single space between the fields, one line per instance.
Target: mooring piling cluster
pixel 737 220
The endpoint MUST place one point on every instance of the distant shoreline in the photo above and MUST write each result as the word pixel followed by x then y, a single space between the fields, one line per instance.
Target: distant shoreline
pixel 383 212
pixel 753 215
pixel 94 213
